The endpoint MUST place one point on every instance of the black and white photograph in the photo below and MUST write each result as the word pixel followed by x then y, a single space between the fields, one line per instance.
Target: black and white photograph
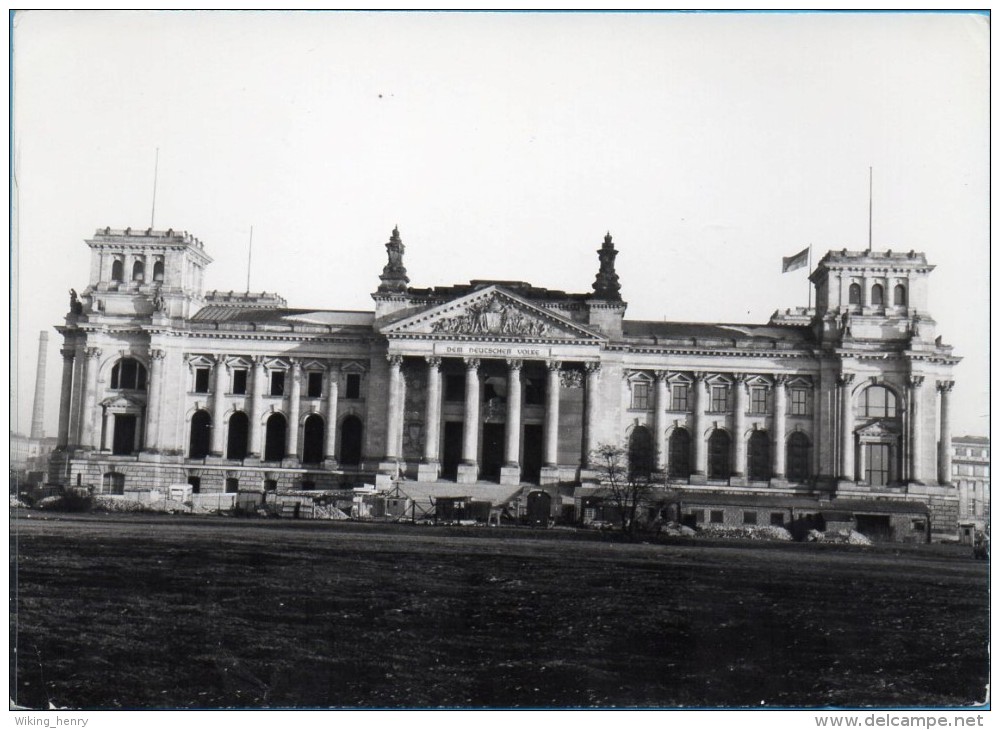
pixel 500 360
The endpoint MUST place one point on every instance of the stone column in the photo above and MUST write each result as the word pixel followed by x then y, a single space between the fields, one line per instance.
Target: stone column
pixel 105 429
pixel 944 445
pixel 65 396
pixel 468 470
pixel 551 458
pixel 510 472
pixel 593 412
pixel 699 389
pixel 916 430
pixel 739 425
pixel 394 419
pixel 332 395
pixel 660 421
pixel 87 414
pixel 294 396
pixel 429 469
pixel 256 406
pixel 151 442
pixel 218 406
pixel 780 406
pixel 846 428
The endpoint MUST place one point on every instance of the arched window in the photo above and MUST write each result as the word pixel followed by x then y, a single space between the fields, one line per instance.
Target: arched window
pixel 239 430
pixel 640 453
pixel 877 401
pixel 274 439
pixel 117 270
pixel 128 374
pixel 878 296
pixel 158 271
pixel 313 434
pixel 138 271
pixel 680 454
pixel 899 296
pixel 798 457
pixel 854 294
pixel 719 465
pixel 350 441
pixel 201 435
pixel 759 456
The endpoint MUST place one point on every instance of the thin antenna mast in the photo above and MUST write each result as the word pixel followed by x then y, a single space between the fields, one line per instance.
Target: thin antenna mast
pixel 156 169
pixel 249 255
pixel 869 209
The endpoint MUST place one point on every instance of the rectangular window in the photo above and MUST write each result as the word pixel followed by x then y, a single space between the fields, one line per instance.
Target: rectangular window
pixel 716 517
pixel 640 396
pixel 232 485
pixel 699 516
pixel 353 391
pixel 240 381
pixel 679 398
pixel 720 398
pixel 201 380
pixel 454 388
pixel 800 402
pixel 277 382
pixel 778 519
pixel 315 386
pixel 749 518
pixel 195 483
pixel 758 401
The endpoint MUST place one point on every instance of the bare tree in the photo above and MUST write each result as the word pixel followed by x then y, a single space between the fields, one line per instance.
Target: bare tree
pixel 625 487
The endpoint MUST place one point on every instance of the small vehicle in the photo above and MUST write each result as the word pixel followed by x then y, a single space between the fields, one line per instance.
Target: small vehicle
pixel 981 546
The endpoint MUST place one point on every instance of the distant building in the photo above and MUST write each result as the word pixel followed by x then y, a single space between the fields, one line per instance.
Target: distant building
pixel 29 454
pixel 970 468
pixel 498 391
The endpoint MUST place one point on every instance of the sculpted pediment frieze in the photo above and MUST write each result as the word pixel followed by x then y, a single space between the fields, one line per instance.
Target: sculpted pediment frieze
pixel 489 314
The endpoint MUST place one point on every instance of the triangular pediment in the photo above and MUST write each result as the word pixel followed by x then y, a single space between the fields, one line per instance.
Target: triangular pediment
pixel 877 429
pixel 491 313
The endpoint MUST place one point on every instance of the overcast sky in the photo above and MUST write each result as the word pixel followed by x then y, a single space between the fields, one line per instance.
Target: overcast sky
pixel 505 146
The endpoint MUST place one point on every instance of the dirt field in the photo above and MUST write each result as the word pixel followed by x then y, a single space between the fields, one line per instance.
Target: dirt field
pixel 137 611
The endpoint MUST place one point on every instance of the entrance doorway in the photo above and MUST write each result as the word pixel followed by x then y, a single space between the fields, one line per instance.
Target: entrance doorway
pixel 125 427
pixel 350 441
pixel 877 464
pixel 539 508
pixel 875 527
pixel 531 454
pixel 493 442
pixel 451 452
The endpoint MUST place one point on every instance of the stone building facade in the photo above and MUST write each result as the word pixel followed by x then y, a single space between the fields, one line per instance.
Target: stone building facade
pixel 501 389
pixel 970 463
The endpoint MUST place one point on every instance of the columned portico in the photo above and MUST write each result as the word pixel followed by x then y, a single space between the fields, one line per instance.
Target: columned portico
pixel 739 426
pixel 550 464
pixel 468 470
pixel 92 364
pixel 430 468
pixel 846 428
pixel 256 401
pixel 510 472
pixel 332 395
pixel 780 405
pixel 700 389
pixel 660 421
pixel 65 396
pixel 590 423
pixel 218 406
pixel 944 444
pixel 293 411
pixel 153 400
pixel 916 428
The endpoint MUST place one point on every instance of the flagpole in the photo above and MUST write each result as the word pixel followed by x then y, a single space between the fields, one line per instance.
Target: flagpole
pixel 249 258
pixel 809 268
pixel 869 209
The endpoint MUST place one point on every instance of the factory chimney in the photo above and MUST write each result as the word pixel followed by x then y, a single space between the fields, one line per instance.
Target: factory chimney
pixel 38 409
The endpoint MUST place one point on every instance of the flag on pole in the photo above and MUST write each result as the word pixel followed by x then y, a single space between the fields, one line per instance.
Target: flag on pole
pixel 791 263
